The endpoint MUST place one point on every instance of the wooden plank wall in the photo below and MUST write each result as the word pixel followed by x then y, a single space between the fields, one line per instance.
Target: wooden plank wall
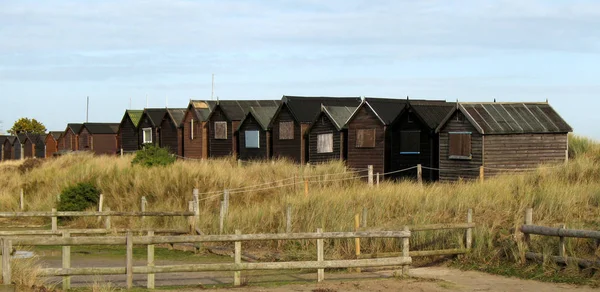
pixel 8 151
pixel 362 157
pixel 104 143
pixel 128 135
pixel 84 140
pixel 289 149
pixel 448 166
pixel 428 154
pixel 192 148
pixel 219 147
pixel 323 126
pixel 523 150
pixel 51 146
pixel 250 124
pixel 169 137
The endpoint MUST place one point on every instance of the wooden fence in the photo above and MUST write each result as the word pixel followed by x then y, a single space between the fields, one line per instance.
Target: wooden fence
pixel 150 269
pixel 562 233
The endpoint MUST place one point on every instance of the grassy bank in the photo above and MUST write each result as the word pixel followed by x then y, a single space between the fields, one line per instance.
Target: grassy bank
pixel 564 194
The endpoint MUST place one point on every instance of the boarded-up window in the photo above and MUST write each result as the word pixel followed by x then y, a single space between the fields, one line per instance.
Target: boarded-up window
pixel 410 142
pixel 147 135
pixel 460 145
pixel 365 138
pixel 286 130
pixel 252 139
pixel 325 143
pixel 221 130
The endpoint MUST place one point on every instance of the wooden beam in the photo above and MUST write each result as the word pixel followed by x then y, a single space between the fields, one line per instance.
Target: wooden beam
pixel 559 232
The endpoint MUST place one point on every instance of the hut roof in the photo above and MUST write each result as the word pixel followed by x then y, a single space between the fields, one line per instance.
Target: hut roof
pixel 263 115
pixel 305 109
pixel 102 128
pixel 176 115
pixel 135 116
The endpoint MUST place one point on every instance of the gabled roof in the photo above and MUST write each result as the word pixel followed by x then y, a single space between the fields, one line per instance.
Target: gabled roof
pixel 11 140
pixel 155 115
pixel 263 115
pixel 511 118
pixel 431 112
pixel 176 115
pixel 21 138
pixel 339 115
pixel 305 109
pixel 387 109
pixel 4 138
pixel 102 128
pixel 75 127
pixel 135 116
pixel 200 108
pixel 55 134
pixel 236 110
pixel 34 138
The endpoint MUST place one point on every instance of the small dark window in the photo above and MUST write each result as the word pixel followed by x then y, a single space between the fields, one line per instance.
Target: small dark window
pixel 409 118
pixel 365 138
pixel 410 142
pixel 286 130
pixel 460 145
pixel 221 130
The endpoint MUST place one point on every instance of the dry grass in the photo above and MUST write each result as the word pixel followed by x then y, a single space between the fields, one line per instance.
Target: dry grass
pixel 566 194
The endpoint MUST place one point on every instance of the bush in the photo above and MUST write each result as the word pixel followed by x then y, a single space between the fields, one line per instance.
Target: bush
pixel 78 197
pixel 153 156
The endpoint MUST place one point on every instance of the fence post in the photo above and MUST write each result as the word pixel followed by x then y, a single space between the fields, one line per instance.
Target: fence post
pixel 405 252
pixel 192 218
pixel 54 220
pixel 237 275
pixel 377 176
pixel 196 195
pixel 320 257
pixel 129 260
pixel 288 219
pixel 420 174
pixel 469 233
pixel 6 251
pixel 121 152
pixel 356 239
pixel 150 283
pixel 107 219
pixel 364 217
pixel 143 207
pixel 22 200
pixel 222 217
pixel 481 173
pixel 370 175
pixel 66 262
pixel 528 221
pixel 100 205
pixel 226 200
pixel 562 251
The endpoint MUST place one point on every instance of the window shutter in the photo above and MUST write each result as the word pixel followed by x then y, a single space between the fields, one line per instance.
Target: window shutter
pixel 286 130
pixel 221 130
pixel 410 142
pixel 459 145
pixel 325 143
pixel 365 138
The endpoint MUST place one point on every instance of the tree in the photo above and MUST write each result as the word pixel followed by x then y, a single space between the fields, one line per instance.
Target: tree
pixel 27 125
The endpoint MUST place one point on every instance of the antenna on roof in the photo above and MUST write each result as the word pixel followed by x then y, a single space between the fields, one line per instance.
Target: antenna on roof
pixel 87 109
pixel 129 102
pixel 494 99
pixel 212 90
pixel 407 97
pixel 546 100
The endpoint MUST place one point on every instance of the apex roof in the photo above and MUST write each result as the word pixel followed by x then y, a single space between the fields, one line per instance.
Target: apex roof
pixel 305 109
pixel 102 128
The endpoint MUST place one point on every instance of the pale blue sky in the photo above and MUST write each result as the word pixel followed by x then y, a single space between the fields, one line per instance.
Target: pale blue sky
pixel 55 53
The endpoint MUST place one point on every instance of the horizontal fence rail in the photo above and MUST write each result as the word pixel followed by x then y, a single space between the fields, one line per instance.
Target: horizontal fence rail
pixel 91 214
pixel 560 232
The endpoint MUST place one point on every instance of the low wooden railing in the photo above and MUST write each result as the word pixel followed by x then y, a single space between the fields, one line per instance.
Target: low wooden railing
pixel 320 264
pixel 562 233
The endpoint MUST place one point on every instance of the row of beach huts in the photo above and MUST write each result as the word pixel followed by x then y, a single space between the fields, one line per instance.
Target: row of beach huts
pixel 451 140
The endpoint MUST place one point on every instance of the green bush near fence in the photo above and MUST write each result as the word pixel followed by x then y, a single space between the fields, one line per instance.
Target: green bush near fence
pixel 153 156
pixel 79 197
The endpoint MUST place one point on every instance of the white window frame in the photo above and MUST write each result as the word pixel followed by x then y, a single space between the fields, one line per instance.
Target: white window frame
pixel 257 139
pixel 322 138
pixel 144 131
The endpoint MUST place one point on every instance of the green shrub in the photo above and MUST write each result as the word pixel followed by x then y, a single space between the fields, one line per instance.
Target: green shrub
pixel 153 156
pixel 78 197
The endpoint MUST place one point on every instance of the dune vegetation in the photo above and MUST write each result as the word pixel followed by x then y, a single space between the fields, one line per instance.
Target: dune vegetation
pixel 260 192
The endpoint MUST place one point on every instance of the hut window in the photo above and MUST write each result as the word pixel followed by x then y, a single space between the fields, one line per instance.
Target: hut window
pixel 192 129
pixel 221 130
pixel 365 138
pixel 410 142
pixel 252 139
pixel 460 145
pixel 325 143
pixel 147 135
pixel 286 130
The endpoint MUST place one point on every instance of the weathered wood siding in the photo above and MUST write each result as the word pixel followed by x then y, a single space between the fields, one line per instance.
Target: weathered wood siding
pixel 261 153
pixel 85 140
pixel 289 149
pixel 104 143
pixel 170 136
pixel 29 149
pixel 453 169
pixel 71 141
pixel 323 126
pixel 523 151
pixel 428 148
pixel 8 153
pixel 219 147
pixel 17 150
pixel 145 123
pixel 51 146
pixel 128 135
pixel 192 148
pixel 362 157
